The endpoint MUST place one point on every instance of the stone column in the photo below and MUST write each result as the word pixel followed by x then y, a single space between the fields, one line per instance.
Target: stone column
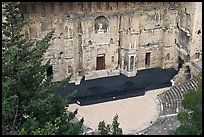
pixel 129 56
pixel 134 63
pixel 122 65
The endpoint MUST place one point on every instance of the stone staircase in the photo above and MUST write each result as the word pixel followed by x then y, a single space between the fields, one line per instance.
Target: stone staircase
pixel 170 105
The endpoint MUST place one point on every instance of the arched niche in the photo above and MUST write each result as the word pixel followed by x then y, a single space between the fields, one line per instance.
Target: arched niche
pixel 101 25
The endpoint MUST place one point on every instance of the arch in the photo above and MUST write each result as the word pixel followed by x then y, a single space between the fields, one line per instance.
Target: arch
pixel 111 40
pixel 188 72
pixel 101 24
pixel 187 69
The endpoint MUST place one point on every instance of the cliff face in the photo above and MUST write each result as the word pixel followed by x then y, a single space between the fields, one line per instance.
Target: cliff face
pixel 99 39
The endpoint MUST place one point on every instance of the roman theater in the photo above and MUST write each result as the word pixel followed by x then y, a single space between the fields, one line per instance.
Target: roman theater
pixel 122 40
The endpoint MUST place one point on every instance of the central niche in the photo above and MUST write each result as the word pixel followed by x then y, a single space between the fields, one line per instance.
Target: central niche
pixel 101 25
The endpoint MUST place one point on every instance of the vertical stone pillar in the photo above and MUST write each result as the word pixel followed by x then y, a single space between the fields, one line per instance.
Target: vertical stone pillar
pixel 129 56
pixel 134 64
pixel 122 65
pixel 135 45
pixel 130 45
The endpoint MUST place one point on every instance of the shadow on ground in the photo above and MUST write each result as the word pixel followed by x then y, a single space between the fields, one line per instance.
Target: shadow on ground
pixel 119 87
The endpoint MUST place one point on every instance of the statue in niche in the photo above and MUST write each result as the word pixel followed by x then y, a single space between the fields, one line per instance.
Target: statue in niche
pixel 101 25
pixel 100 29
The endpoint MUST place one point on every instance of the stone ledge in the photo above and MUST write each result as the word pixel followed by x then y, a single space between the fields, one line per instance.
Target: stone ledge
pixel 101 73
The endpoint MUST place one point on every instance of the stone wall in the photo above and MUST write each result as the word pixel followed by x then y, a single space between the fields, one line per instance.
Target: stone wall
pixel 100 39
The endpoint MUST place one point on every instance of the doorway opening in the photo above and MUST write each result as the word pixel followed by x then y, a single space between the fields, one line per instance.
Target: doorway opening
pixel 100 62
pixel 180 63
pixel 147 60
pixel 131 63
pixel 187 69
pixel 188 72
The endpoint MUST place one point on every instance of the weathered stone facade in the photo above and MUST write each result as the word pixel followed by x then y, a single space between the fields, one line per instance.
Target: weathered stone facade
pixel 101 39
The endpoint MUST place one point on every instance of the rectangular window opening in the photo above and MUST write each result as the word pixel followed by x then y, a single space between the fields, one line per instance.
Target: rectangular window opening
pixel 147 59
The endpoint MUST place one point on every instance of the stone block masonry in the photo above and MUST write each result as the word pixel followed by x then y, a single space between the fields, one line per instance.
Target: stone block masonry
pixel 102 39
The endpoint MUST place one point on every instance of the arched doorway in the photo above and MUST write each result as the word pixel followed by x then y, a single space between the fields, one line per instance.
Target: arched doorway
pixel 187 72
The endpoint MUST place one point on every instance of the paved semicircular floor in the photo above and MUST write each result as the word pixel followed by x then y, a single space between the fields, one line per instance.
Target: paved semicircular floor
pixel 135 113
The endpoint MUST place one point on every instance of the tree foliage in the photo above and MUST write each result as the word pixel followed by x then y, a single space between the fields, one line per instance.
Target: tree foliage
pixel 191 119
pixel 27 101
pixel 108 129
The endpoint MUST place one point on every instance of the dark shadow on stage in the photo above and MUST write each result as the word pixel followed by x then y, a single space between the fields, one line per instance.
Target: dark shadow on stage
pixel 119 87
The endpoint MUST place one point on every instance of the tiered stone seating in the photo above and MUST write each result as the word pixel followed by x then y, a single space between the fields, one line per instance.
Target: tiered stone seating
pixel 172 98
pixel 170 101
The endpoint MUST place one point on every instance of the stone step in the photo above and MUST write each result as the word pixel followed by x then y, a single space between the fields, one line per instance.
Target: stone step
pixel 176 88
pixel 177 95
pixel 162 101
pixel 180 92
pixel 190 84
pixel 195 82
pixel 165 103
pixel 187 86
pixel 167 98
pixel 175 100
pixel 184 86
pixel 194 85
pixel 160 97
pixel 171 101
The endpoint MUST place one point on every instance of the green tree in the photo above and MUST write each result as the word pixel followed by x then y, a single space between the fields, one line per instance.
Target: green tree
pixel 191 119
pixel 115 126
pixel 108 129
pixel 28 104
pixel 103 128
